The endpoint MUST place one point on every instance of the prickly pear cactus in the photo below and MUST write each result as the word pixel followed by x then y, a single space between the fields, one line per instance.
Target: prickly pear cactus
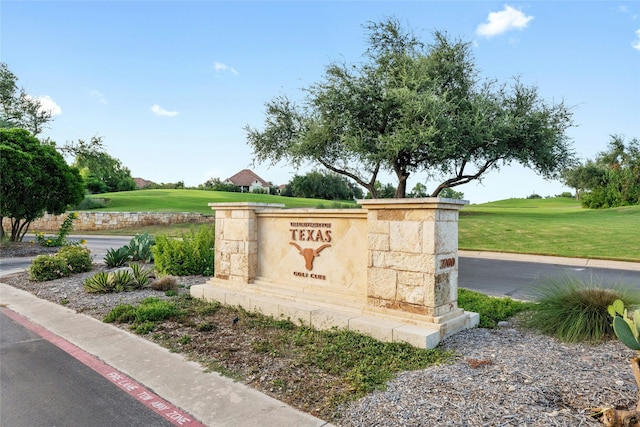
pixel 626 325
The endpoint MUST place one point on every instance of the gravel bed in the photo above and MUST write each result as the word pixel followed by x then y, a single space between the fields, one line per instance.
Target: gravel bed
pixel 505 377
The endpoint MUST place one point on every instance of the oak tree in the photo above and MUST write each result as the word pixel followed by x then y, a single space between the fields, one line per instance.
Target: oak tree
pixel 413 107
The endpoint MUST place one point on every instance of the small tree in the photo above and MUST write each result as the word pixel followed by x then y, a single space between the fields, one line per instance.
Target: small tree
pixel 35 179
pixel 583 177
pixel 419 190
pixel 450 193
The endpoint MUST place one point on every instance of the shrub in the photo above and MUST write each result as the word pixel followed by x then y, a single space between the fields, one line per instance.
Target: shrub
pixel 123 313
pixel 89 203
pixel 155 310
pixel 190 255
pixel 116 257
pixel 140 248
pixel 68 260
pixel 48 267
pixel 144 316
pixel 206 327
pixel 78 258
pixel 491 309
pixel 573 310
pixel 165 283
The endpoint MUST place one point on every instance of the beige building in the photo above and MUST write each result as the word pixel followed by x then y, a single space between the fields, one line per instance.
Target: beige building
pixel 248 182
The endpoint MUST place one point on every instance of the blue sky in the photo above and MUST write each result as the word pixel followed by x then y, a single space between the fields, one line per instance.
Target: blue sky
pixel 170 85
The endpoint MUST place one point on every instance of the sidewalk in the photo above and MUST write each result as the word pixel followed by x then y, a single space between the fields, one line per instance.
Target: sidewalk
pixel 544 259
pixel 210 398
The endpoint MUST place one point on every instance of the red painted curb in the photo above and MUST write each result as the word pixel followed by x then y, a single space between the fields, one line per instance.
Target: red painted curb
pixel 143 395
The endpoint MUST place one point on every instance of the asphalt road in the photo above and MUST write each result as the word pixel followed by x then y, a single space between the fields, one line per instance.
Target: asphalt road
pixel 41 385
pixel 521 279
pixel 516 279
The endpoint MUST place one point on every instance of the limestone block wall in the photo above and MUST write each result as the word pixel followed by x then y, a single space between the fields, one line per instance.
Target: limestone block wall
pixel 236 249
pixel 413 256
pixel 96 221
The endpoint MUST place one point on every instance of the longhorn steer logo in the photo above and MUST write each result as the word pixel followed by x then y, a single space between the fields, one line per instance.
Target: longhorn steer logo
pixel 309 254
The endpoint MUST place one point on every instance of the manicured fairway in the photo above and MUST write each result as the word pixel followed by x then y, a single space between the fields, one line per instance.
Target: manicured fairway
pixel 551 227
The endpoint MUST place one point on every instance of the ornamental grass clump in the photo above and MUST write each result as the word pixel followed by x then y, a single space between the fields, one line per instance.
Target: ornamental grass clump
pixel 575 310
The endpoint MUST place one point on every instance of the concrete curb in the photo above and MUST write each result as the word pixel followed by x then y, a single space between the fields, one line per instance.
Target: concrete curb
pixel 576 262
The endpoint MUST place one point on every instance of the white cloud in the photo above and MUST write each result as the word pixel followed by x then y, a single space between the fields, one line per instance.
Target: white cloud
pixel 161 112
pixel 99 96
pixel 47 104
pixel 220 67
pixel 636 43
pixel 506 20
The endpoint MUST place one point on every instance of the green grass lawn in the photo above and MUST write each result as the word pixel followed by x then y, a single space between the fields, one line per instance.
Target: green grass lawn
pixel 198 200
pixel 557 226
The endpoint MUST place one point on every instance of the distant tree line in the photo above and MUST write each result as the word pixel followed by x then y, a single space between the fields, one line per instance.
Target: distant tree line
pixel 611 179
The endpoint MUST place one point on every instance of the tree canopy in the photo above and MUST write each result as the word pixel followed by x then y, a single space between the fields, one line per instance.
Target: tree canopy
pixel 319 185
pixel 102 173
pixel 17 108
pixel 611 179
pixel 35 179
pixel 410 107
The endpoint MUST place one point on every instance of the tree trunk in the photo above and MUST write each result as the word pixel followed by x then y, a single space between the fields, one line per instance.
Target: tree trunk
pixel 624 418
pixel 401 191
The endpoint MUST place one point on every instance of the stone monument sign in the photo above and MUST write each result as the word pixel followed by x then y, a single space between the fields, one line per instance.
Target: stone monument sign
pixel 389 270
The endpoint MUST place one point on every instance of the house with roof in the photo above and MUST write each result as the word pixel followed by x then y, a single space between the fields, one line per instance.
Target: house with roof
pixel 248 182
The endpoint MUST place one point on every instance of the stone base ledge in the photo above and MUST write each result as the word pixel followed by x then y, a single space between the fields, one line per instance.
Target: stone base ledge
pixel 325 317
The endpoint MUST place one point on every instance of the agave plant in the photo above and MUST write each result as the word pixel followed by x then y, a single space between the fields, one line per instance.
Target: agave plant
pixel 140 275
pixel 116 257
pixel 100 283
pixel 123 280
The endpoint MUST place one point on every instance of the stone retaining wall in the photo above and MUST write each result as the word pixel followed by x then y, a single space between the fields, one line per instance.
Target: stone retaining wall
pixel 96 221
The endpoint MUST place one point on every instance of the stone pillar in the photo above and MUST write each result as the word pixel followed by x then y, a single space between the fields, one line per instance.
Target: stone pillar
pixel 413 257
pixel 236 237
